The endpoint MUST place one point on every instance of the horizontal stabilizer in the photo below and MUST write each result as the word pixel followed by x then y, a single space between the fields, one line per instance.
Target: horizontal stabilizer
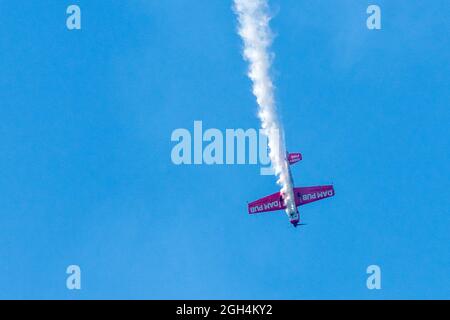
pixel 294 157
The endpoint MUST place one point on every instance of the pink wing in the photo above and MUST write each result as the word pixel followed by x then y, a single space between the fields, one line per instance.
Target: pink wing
pixel 305 195
pixel 269 203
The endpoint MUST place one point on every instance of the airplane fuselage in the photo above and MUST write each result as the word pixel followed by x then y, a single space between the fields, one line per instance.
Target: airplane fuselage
pixel 294 215
pixel 291 198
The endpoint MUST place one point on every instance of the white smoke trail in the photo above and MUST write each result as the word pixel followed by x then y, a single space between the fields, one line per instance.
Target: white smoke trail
pixel 255 31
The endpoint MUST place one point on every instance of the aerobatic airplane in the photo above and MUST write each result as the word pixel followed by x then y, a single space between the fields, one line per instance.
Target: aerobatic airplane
pixel 302 196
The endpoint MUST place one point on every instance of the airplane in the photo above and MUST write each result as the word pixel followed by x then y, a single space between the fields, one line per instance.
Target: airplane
pixel 302 196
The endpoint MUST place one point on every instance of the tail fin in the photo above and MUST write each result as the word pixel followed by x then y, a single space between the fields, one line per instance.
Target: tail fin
pixel 294 157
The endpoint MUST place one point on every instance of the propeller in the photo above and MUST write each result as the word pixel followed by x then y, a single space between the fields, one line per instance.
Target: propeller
pixel 301 224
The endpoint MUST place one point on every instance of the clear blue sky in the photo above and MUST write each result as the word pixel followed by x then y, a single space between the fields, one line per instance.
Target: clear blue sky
pixel 87 179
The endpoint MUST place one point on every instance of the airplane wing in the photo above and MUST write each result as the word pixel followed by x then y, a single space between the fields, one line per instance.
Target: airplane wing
pixel 305 195
pixel 272 202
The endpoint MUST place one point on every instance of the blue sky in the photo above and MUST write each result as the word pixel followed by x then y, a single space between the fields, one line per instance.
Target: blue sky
pixel 87 179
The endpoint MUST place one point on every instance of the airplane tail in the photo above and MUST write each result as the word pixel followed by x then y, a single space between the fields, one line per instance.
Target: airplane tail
pixel 294 157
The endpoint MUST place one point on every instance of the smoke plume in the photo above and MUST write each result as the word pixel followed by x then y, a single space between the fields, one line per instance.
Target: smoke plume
pixel 254 29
